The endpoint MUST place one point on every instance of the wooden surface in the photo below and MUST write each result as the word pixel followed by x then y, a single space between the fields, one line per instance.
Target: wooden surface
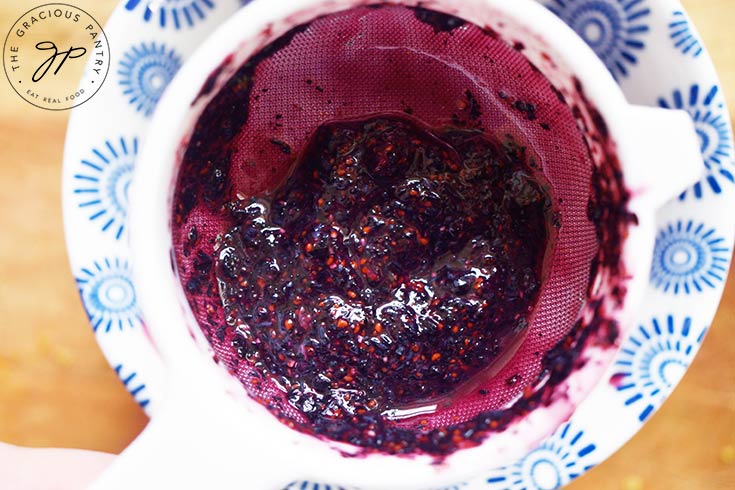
pixel 56 389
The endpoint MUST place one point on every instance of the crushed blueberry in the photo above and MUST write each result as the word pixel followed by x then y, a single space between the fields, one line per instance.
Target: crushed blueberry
pixel 395 264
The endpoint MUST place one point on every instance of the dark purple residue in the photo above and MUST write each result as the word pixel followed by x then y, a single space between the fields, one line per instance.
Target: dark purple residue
pixel 214 131
pixel 393 266
pixel 211 80
pixel 204 182
pixel 438 21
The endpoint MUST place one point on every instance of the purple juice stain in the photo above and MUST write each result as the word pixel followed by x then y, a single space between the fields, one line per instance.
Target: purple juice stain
pixel 395 264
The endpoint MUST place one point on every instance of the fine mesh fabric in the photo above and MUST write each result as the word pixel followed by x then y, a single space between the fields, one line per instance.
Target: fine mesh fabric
pixel 365 61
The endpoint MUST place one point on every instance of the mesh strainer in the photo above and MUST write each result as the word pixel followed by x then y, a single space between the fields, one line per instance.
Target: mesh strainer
pixel 514 70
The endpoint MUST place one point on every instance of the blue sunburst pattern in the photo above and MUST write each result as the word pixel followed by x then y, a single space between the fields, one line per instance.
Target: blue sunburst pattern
pixel 707 108
pixel 101 184
pixel 685 40
pixel 175 14
pixel 689 258
pixel 304 485
pixel 108 295
pixel 145 72
pixel 652 362
pixel 614 29
pixel 133 384
pixel 559 460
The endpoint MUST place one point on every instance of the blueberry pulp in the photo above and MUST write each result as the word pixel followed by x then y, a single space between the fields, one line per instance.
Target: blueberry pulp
pixel 219 162
pixel 394 265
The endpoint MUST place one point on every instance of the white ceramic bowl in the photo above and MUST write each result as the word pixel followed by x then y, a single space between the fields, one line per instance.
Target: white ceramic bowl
pixel 208 433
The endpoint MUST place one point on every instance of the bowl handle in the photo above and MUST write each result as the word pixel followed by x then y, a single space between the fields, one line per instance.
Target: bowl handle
pixel 191 442
pixel 662 157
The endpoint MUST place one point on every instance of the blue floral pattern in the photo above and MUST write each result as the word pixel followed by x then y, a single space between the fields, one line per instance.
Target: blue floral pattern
pixel 304 485
pixel 108 295
pixel 653 361
pixel 684 39
pixel 707 107
pixel 176 14
pixel 145 72
pixel 133 385
pixel 689 258
pixel 559 460
pixel 614 29
pixel 102 182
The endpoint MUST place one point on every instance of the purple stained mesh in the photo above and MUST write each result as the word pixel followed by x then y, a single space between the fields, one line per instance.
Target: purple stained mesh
pixel 363 61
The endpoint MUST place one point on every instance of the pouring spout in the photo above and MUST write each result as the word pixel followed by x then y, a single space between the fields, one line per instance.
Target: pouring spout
pixel 661 157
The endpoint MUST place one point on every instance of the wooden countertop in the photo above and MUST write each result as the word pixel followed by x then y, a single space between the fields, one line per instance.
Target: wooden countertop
pixel 56 389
